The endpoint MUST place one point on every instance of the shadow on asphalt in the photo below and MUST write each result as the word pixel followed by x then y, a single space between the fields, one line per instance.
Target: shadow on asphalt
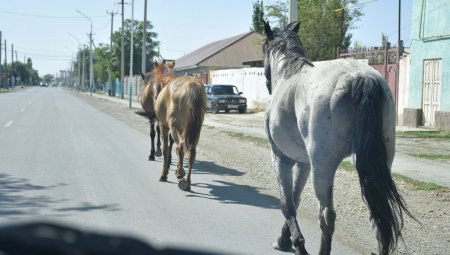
pixel 228 192
pixel 13 203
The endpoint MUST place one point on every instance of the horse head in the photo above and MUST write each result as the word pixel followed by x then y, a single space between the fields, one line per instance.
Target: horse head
pixel 283 46
pixel 163 73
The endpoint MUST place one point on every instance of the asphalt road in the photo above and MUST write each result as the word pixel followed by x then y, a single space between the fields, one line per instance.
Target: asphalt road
pixel 65 161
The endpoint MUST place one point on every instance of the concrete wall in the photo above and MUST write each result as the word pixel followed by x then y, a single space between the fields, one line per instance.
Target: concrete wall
pixel 250 81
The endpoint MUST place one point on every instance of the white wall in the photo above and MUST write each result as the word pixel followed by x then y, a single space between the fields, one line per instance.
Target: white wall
pixel 403 87
pixel 250 81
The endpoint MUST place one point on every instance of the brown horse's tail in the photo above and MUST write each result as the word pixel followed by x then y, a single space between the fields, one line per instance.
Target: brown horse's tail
pixel 196 98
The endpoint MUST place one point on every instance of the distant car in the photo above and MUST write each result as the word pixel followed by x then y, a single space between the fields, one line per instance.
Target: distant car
pixel 225 98
pixel 43 84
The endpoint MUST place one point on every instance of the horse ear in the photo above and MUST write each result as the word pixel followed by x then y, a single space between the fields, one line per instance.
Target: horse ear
pixel 294 26
pixel 267 29
pixel 164 61
pixel 155 64
pixel 172 64
pixel 142 76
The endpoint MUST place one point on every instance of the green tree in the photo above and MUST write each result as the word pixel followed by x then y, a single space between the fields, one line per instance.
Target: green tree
pixel 278 13
pixel 320 29
pixel 258 17
pixel 384 40
pixel 48 77
pixel 151 47
pixel 101 64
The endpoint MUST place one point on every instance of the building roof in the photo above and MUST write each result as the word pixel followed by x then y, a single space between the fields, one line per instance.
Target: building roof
pixel 197 57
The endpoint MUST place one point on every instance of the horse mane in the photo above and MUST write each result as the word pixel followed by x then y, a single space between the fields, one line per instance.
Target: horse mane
pixel 288 44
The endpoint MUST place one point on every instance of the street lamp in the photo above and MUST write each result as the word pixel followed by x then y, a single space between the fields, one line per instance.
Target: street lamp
pixel 91 69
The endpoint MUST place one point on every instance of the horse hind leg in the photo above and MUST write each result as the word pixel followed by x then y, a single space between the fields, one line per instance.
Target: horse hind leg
pixel 152 141
pixel 180 153
pixel 323 188
pixel 158 152
pixel 186 184
pixel 284 242
pixel 283 170
pixel 165 135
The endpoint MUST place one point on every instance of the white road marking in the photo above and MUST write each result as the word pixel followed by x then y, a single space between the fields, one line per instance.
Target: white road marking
pixel 9 123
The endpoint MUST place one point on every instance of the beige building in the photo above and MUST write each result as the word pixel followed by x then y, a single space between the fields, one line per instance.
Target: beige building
pixel 239 51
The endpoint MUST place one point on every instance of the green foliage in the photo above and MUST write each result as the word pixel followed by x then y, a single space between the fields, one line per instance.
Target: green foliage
pixel 258 17
pixel 320 29
pixel 48 77
pixel 278 13
pixel 138 31
pixel 22 71
pixel 101 53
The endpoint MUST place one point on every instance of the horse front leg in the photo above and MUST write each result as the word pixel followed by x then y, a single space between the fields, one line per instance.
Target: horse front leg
pixel 165 172
pixel 283 171
pixel 284 242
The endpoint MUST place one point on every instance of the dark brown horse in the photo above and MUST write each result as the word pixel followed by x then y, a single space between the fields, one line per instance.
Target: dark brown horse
pixel 180 107
pixel 147 103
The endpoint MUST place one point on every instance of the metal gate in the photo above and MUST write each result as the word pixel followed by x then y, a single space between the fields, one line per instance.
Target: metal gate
pixel 431 90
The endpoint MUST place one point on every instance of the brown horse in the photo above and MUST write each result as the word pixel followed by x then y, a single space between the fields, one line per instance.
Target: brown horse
pixel 147 103
pixel 180 107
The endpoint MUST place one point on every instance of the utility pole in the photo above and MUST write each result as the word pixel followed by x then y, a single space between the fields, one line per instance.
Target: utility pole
pixel 6 66
pixel 1 71
pixel 91 64
pixel 144 41
pixel 131 54
pixel 83 75
pixel 12 64
pixel 122 49
pixel 78 60
pixel 293 13
pixel 110 54
pixel 399 44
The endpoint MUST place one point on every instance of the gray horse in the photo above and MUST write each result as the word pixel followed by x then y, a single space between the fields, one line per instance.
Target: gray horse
pixel 319 115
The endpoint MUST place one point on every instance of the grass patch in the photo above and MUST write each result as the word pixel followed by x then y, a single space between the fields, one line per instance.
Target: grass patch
pixel 257 140
pixel 415 184
pixel 209 127
pixel 424 134
pixel 430 156
pixel 419 185
pixel 346 165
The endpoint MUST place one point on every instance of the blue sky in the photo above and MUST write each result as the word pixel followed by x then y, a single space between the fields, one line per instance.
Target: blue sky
pixel 40 28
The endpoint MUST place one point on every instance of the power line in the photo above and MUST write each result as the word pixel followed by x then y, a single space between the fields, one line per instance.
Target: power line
pixel 47 17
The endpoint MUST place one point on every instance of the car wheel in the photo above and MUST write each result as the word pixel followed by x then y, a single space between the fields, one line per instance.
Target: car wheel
pixel 243 110
pixel 227 110
pixel 214 108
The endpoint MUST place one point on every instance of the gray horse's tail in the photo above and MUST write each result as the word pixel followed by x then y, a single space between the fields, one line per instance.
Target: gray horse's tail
pixel 379 191
pixel 197 109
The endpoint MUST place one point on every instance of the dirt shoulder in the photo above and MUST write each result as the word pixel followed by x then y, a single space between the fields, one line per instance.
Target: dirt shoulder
pixel 248 163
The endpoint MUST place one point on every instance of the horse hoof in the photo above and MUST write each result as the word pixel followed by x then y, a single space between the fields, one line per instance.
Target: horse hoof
pixel 151 158
pixel 283 245
pixel 184 185
pixel 158 153
pixel 182 174
pixel 163 179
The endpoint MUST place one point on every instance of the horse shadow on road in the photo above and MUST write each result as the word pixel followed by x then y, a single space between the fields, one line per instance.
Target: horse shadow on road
pixel 226 191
